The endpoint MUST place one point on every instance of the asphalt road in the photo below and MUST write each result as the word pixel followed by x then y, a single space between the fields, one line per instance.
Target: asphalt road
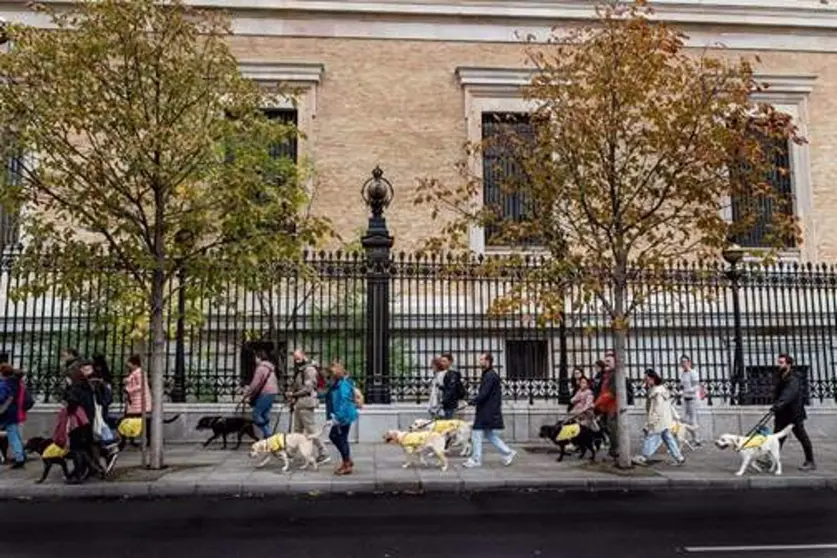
pixel 488 525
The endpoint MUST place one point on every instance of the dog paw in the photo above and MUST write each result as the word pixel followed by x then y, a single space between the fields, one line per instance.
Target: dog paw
pixel 405 466
pixel 739 473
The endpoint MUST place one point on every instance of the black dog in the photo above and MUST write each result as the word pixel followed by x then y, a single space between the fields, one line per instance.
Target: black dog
pixel 39 445
pixel 586 439
pixel 123 441
pixel 224 426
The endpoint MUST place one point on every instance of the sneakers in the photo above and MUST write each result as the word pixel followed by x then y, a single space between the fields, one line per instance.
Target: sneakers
pixel 808 466
pixel 323 459
pixel 509 459
pixel 471 464
pixel 18 465
pixel 639 460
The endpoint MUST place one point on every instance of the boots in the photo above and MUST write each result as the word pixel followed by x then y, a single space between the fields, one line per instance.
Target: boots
pixel 345 468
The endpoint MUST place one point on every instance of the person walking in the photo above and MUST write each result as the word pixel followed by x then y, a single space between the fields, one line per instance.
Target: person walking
pixel 303 398
pixel 689 388
pixel 434 404
pixel 582 405
pixel 660 419
pixel 489 415
pixel 341 409
pixel 12 411
pixel 789 409
pixel 605 404
pixel 261 393
pixel 575 381
pixel 137 395
pixel 453 390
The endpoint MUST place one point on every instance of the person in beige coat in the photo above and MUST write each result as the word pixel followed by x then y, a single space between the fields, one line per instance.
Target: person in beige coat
pixel 303 397
pixel 661 417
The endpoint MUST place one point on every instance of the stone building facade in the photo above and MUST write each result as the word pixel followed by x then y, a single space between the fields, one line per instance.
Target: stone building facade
pixel 404 84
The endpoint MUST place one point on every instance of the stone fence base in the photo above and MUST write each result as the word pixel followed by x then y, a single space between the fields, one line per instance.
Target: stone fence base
pixel 522 421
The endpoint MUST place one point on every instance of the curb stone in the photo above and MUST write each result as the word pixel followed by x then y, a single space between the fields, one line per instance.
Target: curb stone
pixel 140 490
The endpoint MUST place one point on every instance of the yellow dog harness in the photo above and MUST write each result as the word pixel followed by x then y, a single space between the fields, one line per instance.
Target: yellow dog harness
pixel 130 427
pixel 275 442
pixel 755 442
pixel 568 432
pixel 446 426
pixel 414 440
pixel 54 451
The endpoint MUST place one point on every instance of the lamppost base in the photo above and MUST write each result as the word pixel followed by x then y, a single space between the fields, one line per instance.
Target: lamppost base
pixel 378 395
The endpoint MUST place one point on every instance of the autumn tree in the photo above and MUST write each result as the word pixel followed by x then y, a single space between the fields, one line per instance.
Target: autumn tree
pixel 146 153
pixel 636 149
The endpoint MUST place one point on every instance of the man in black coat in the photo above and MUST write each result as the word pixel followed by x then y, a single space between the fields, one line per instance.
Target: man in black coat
pixel 789 408
pixel 453 390
pixel 489 415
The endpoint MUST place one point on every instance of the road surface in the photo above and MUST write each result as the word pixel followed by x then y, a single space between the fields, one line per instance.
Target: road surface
pixel 763 524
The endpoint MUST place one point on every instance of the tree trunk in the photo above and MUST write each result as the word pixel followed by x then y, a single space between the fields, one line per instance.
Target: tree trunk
pixel 619 333
pixel 158 353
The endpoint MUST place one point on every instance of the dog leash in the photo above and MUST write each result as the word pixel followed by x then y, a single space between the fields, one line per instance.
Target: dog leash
pixel 752 433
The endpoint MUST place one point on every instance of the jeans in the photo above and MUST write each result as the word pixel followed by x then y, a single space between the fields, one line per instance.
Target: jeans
pixel 492 437
pixel 261 412
pixel 653 441
pixel 611 426
pixel 447 414
pixel 690 414
pixel 339 436
pixel 801 435
pixel 15 441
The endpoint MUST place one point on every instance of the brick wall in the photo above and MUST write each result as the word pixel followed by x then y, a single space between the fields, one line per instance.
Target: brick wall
pixel 398 104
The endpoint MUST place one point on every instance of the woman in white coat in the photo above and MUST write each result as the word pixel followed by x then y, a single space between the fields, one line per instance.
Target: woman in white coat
pixel 661 416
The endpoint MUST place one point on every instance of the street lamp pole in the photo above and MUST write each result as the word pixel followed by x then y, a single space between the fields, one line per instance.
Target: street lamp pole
pixel 377 192
pixel 733 256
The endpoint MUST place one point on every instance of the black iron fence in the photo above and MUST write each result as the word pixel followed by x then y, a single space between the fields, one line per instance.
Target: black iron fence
pixel 442 304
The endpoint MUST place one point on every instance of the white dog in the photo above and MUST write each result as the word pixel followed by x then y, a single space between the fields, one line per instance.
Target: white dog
pixel 419 443
pixel 759 446
pixel 456 432
pixel 287 445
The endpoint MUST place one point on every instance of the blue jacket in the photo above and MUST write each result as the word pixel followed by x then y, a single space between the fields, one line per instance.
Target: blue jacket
pixel 340 402
pixel 9 387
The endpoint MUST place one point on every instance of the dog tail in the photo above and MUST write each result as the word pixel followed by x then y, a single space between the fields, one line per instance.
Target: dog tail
pixel 172 419
pixel 782 434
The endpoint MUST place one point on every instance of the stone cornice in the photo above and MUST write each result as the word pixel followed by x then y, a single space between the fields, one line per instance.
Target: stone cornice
pixel 781 13
pixel 282 72
pixel 504 79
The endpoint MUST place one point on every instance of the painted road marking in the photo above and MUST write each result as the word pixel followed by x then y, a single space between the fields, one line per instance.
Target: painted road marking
pixel 760 548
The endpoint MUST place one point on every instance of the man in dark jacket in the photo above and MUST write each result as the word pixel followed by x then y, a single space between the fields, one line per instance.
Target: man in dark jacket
pixel 453 390
pixel 789 408
pixel 489 415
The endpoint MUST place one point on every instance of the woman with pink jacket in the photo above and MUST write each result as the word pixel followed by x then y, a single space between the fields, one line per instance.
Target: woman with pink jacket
pixel 582 405
pixel 137 389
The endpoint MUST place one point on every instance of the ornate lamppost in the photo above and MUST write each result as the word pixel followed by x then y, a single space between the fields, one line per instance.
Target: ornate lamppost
pixel 377 192
pixel 733 256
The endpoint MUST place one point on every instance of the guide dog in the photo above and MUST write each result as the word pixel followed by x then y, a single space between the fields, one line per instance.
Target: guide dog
pixel 225 426
pixel 417 444
pixel 582 437
pixel 124 440
pixel 457 432
pixel 753 448
pixel 50 455
pixel 288 445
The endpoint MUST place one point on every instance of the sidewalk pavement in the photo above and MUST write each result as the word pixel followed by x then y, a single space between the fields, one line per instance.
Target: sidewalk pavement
pixel 194 471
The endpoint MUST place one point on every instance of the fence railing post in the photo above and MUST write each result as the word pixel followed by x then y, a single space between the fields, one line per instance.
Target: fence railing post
pixel 377 192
